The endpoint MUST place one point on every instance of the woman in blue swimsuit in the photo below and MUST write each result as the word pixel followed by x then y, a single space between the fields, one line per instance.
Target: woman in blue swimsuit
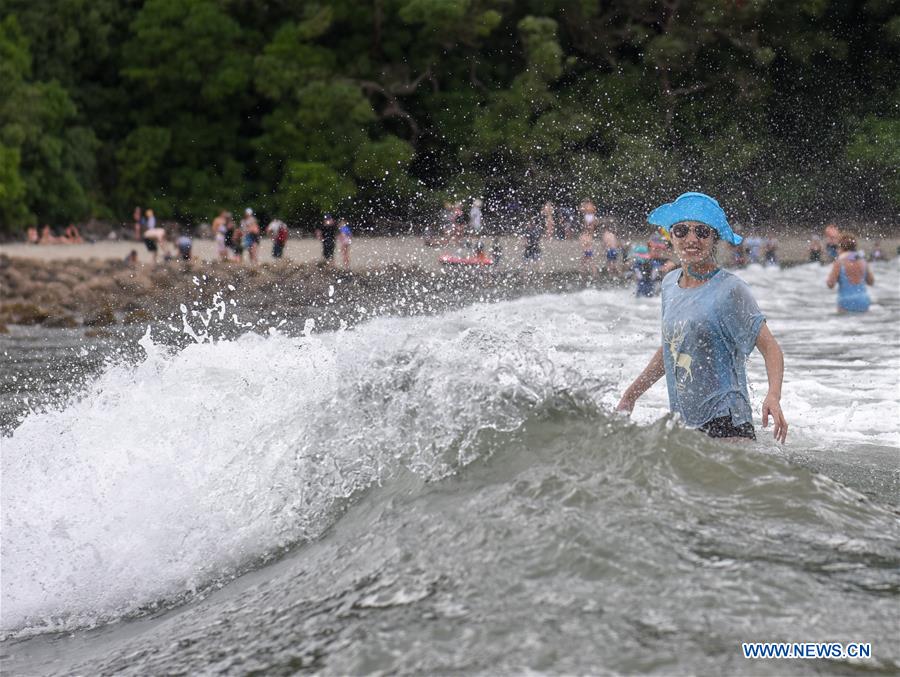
pixel 851 274
pixel 710 324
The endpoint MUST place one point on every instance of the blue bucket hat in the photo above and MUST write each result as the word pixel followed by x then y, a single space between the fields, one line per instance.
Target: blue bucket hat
pixel 693 207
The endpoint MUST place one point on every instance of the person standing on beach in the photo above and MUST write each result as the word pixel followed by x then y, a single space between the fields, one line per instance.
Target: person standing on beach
pixel 475 216
pixel 815 249
pixel 549 213
pixel 770 249
pixel 345 239
pixel 710 324
pixel 237 240
pixel 327 233
pixel 138 223
pixel 154 237
pixel 586 240
pixel 588 211
pixel 278 231
pixel 185 245
pixel 851 274
pixel 613 251
pixel 534 230
pixel 250 228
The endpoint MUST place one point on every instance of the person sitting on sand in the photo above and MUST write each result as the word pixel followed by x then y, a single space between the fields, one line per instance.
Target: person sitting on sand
pixel 47 236
pixel 710 323
pixel 31 235
pixel 73 235
pixel 851 273
pixel 132 258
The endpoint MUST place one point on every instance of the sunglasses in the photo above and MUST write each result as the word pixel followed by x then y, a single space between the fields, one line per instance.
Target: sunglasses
pixel 701 230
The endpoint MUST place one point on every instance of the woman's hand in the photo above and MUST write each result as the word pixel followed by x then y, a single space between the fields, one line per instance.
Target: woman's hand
pixel 654 371
pixel 626 405
pixel 772 405
pixel 771 352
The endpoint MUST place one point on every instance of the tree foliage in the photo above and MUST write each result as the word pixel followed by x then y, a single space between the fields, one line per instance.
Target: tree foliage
pixel 386 107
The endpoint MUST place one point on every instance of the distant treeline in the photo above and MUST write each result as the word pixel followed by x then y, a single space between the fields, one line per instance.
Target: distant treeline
pixel 386 108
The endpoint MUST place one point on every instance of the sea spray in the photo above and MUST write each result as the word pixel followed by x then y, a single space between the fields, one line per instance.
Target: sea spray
pixel 172 476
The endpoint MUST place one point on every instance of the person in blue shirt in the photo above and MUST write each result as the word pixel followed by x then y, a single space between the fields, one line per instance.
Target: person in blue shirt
pixel 710 324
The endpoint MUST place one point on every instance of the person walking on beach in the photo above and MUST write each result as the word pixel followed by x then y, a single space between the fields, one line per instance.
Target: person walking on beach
pixel 327 233
pixel 851 274
pixel 278 231
pixel 710 324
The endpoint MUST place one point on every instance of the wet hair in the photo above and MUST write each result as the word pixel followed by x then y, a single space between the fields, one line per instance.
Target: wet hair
pixel 847 243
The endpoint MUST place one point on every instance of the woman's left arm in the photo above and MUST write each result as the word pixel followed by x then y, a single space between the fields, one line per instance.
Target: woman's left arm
pixel 774 359
pixel 870 277
pixel 833 275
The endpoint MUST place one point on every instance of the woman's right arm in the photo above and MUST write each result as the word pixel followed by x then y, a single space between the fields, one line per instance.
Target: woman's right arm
pixel 870 278
pixel 654 371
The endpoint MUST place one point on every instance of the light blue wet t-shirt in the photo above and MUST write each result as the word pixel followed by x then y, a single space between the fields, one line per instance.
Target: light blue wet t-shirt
pixel 707 333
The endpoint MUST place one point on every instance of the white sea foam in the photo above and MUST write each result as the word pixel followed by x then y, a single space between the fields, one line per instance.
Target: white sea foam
pixel 172 476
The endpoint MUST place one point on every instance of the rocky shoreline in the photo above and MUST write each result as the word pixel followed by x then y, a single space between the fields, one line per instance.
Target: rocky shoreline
pixel 99 294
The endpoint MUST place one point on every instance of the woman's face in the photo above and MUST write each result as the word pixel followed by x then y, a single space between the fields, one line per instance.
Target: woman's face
pixel 691 249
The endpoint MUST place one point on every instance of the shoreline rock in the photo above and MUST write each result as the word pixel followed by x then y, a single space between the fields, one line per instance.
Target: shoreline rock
pixel 100 294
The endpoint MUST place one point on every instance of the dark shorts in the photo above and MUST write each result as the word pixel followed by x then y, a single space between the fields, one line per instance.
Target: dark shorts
pixel 723 427
pixel 150 243
pixel 612 254
pixel 327 249
pixel 277 250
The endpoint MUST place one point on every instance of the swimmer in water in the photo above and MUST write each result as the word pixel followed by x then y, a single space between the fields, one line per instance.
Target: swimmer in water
pixel 851 273
pixel 710 323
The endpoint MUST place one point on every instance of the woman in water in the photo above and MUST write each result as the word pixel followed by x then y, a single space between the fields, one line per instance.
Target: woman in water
pixel 851 274
pixel 710 323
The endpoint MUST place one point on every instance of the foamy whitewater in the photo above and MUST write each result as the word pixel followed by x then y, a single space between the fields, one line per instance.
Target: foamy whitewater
pixel 328 461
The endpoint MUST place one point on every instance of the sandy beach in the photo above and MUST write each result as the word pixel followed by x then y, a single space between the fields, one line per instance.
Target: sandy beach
pixel 92 285
pixel 368 252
